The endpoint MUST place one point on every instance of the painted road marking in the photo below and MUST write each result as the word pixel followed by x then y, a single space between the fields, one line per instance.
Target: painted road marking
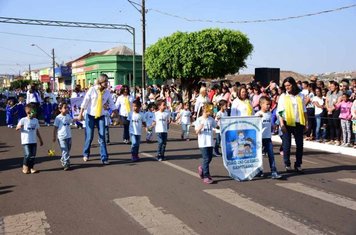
pixel 189 172
pixel 276 218
pixel 25 223
pixel 348 180
pixel 325 196
pixel 153 219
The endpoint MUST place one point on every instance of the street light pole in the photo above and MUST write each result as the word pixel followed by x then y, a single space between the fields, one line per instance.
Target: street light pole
pixel 143 12
pixel 53 61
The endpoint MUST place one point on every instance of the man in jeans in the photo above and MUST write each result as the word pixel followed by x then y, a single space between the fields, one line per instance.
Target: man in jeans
pixel 93 102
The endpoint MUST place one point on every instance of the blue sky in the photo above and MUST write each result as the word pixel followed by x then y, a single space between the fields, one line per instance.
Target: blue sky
pixel 316 44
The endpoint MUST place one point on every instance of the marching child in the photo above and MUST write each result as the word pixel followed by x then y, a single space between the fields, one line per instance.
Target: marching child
pixel 204 129
pixel 161 122
pixel 63 133
pixel 185 117
pixel 29 130
pixel 265 105
pixel 20 108
pixel 47 109
pixel 221 113
pixel 136 119
pixel 149 117
pixel 10 113
pixel 345 118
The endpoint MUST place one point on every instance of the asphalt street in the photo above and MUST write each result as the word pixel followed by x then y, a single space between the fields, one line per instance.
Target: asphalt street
pixel 151 197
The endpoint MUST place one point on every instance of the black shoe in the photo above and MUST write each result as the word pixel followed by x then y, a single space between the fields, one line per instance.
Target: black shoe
pixel 298 169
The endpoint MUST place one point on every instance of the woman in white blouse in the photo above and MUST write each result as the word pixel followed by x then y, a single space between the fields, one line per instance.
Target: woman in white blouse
pixel 241 106
pixel 124 105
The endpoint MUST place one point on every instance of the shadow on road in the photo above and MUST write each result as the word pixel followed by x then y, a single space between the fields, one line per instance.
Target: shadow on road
pixel 311 171
pixel 4 189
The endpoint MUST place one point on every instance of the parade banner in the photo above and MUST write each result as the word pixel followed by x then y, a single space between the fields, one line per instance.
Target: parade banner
pixel 75 106
pixel 241 143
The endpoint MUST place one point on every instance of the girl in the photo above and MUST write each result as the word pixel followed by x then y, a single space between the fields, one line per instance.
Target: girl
pixel 185 116
pixel 63 133
pixel 29 130
pixel 149 117
pixel 10 111
pixel 345 117
pixel 318 102
pixel 221 113
pixel 136 119
pixel 123 104
pixel 293 120
pixel 204 129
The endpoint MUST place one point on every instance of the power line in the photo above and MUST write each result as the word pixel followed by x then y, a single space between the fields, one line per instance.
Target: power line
pixel 60 38
pixel 253 21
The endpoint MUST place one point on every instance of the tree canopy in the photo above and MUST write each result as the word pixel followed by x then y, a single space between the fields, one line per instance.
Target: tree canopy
pixel 209 53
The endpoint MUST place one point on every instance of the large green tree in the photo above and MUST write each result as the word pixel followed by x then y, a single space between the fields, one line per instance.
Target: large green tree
pixel 209 53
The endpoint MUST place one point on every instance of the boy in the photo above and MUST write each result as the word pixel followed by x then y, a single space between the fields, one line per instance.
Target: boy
pixel 221 113
pixel 161 122
pixel 149 117
pixel 265 104
pixel 47 108
pixel 136 119
pixel 204 129
pixel 29 129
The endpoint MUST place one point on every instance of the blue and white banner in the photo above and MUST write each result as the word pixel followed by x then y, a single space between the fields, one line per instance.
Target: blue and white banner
pixel 241 143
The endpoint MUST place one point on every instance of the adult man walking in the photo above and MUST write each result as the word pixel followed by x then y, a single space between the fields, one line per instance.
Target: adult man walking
pixel 93 103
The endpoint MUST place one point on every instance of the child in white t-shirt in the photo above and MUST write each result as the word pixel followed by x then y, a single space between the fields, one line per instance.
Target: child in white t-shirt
pixel 29 126
pixel 185 117
pixel 204 126
pixel 63 133
pixel 136 119
pixel 221 113
pixel 149 117
pixel 161 122
pixel 265 104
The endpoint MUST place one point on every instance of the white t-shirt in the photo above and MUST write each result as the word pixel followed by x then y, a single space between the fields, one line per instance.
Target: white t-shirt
pixel 218 116
pixel 136 120
pixel 63 125
pixel 205 137
pixel 320 101
pixel 149 117
pixel 162 120
pixel 266 124
pixel 185 116
pixel 28 130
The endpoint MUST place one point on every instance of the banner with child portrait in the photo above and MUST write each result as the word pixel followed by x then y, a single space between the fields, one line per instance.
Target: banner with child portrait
pixel 241 143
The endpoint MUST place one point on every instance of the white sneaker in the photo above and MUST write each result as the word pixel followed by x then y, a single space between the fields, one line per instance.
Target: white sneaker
pixel 85 159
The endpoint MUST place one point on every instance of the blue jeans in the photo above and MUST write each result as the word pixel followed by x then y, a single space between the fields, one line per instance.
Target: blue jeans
pixel 268 148
pixel 135 144
pixel 162 142
pixel 29 151
pixel 185 130
pixel 217 142
pixel 65 145
pixel 207 154
pixel 297 131
pixel 317 126
pixel 90 123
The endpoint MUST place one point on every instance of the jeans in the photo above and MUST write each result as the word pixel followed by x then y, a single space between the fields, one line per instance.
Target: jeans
pixel 207 154
pixel 297 132
pixel 90 123
pixel 126 123
pixel 65 145
pixel 317 126
pixel 135 144
pixel 29 151
pixel 217 142
pixel 162 142
pixel 268 148
pixel 107 134
pixel 185 130
pixel 346 131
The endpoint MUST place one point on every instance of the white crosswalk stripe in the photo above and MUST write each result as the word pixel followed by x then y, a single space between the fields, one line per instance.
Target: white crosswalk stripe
pixel 25 223
pixel 276 218
pixel 153 219
pixel 325 196
pixel 348 180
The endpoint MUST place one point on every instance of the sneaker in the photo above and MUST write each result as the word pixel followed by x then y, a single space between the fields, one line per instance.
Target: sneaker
pixel 187 139
pixel 348 145
pixel 108 143
pixel 85 159
pixel 33 171
pixel 216 154
pixel 275 175
pixel 200 172
pixel 159 158
pixel 330 142
pixel 106 162
pixel 288 169
pixel 66 167
pixel 298 169
pixel 260 174
pixel 208 180
pixel 337 143
pixel 25 169
pixel 135 158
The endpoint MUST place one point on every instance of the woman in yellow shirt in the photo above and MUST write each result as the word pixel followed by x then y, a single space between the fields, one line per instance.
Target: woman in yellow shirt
pixel 293 121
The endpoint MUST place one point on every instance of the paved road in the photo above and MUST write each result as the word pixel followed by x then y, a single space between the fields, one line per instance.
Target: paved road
pixel 151 197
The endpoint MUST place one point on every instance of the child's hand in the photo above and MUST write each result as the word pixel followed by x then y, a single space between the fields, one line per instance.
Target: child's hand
pixel 284 129
pixel 54 139
pixel 41 143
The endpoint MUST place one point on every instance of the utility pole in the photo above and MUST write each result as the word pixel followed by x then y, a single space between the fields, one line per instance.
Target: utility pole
pixel 53 69
pixel 143 12
pixel 29 72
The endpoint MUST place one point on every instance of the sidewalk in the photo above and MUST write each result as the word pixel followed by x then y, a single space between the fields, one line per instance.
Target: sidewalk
pixel 323 147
